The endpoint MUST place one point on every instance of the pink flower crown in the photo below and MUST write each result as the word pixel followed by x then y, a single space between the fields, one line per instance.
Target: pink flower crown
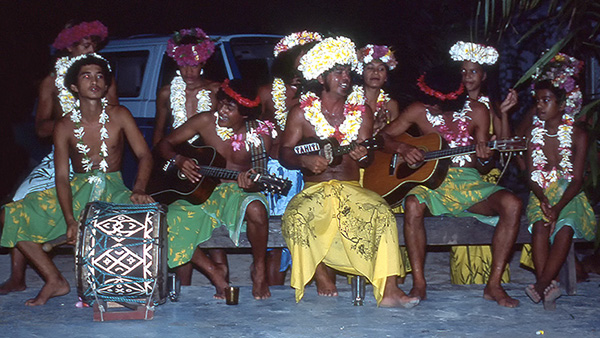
pixel 68 36
pixel 377 52
pixel 190 54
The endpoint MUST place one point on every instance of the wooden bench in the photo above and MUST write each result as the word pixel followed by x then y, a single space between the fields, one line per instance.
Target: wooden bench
pixel 441 231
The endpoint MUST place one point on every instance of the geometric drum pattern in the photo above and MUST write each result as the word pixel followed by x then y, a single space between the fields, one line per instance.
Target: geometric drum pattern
pixel 119 252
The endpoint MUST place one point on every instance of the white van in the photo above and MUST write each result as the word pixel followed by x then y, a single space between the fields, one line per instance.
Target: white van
pixel 141 67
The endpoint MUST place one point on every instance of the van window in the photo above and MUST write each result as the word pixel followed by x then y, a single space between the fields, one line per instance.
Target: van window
pixel 213 70
pixel 254 56
pixel 128 68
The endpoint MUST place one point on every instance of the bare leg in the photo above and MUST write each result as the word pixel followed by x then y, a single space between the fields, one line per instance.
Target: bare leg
pixel 394 297
pixel 274 276
pixel 257 219
pixel 184 273
pixel 555 259
pixel 56 285
pixel 508 207
pixel 219 258
pixel 16 281
pixel 325 279
pixel 416 241
pixel 540 247
pixel 212 271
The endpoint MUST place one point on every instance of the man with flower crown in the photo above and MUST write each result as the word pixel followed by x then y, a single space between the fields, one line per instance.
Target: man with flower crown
pixel 189 93
pixel 235 134
pixel 54 102
pixel 334 223
pixel 461 122
pixel 558 210
pixel 91 137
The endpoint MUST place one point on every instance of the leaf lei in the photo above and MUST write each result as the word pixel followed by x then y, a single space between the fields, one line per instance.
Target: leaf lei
pixel 278 94
pixel 565 130
pixel 79 131
pixel 178 100
pixel 353 110
pixel 455 139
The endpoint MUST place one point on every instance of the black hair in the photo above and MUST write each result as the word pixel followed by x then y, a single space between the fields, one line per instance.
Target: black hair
pixel 73 71
pixel 445 79
pixel 561 94
pixel 284 64
pixel 245 89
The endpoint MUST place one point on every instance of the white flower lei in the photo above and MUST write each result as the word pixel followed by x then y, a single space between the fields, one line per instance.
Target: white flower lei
pixel 278 94
pixel 541 176
pixel 177 99
pixel 65 97
pixel 311 104
pixel 225 133
pixel 382 100
pixel 83 149
pixel 454 139
pixel 252 136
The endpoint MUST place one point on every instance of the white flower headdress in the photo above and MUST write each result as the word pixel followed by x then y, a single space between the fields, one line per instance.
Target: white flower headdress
pixel 328 53
pixel 295 39
pixel 476 53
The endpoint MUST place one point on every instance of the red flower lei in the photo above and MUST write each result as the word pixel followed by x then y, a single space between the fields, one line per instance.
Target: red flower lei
pixel 441 96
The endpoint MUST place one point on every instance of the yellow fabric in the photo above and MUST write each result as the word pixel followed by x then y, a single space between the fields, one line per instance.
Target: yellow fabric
pixel 345 226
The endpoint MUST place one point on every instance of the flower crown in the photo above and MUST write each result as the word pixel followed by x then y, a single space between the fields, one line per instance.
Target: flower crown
pixel 68 36
pixel 377 52
pixel 295 39
pixel 562 71
pixel 328 53
pixel 438 95
pixel 476 53
pixel 239 98
pixel 85 56
pixel 190 54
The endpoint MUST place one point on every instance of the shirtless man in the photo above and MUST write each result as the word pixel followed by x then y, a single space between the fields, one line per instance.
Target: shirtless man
pixel 276 101
pixel 236 203
pixel 54 101
pixel 334 223
pixel 188 93
pixel 92 137
pixel 461 122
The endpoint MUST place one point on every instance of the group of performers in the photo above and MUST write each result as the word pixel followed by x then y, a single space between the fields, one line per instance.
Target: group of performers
pixel 330 222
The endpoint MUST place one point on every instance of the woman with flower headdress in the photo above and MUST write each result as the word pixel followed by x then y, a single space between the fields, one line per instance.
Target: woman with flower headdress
pixel 92 137
pixel 237 204
pixel 54 102
pixel 558 210
pixel 460 121
pixel 471 264
pixel 189 93
pixel 377 61
pixel 277 99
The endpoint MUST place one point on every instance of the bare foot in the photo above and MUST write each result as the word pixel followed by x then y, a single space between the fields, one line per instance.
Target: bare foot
pixel 49 290
pixel 218 277
pixel 260 287
pixel 533 294
pixel 12 286
pixel 551 293
pixel 497 293
pixel 325 284
pixel 419 292
pixel 397 298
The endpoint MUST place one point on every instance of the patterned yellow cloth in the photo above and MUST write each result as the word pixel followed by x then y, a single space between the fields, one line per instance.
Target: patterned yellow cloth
pixel 39 218
pixel 462 188
pixel 345 226
pixel 190 224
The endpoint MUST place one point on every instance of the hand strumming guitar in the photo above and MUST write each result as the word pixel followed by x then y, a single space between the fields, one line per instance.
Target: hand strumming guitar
pixel 188 167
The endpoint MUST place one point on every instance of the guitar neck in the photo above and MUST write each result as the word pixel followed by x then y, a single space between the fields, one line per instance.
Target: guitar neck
pixel 450 152
pixel 221 173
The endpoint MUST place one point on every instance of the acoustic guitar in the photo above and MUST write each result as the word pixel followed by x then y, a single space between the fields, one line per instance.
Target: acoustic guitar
pixel 331 149
pixel 392 178
pixel 167 186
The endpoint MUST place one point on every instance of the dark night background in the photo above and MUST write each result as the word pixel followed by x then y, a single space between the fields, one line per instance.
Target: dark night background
pixel 416 30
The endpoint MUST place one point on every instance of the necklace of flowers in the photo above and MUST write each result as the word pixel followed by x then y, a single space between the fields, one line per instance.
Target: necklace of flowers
pixel 565 130
pixel 65 97
pixel 278 93
pixel 439 95
pixel 382 99
pixel 79 132
pixel 460 138
pixel 252 136
pixel 353 110
pixel 485 100
pixel 178 100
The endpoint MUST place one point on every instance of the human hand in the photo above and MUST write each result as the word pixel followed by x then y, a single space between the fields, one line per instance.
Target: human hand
pixel 482 150
pixel 140 197
pixel 189 168
pixel 358 153
pixel 245 180
pixel 509 102
pixel 315 163
pixel 72 228
pixel 550 214
pixel 410 154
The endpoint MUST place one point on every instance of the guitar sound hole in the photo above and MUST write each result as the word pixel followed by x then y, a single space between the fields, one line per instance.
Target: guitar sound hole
pixel 181 175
